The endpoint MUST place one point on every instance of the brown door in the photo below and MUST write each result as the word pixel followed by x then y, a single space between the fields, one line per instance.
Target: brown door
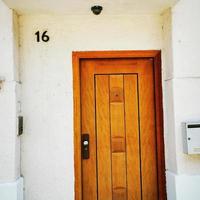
pixel 118 129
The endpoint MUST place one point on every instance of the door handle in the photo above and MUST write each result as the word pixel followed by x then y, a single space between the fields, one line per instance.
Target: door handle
pixel 85 146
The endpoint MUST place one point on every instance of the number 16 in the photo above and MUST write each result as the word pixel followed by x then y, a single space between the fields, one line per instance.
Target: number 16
pixel 44 37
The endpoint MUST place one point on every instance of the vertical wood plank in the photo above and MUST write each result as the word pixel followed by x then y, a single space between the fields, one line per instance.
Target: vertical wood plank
pixel 147 132
pixel 117 120
pixel 119 176
pixel 103 138
pixel 118 131
pixel 89 174
pixel 117 108
pixel 132 137
pixel 77 127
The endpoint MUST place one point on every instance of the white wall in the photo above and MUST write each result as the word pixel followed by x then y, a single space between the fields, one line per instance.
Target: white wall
pixel 168 93
pixel 11 186
pixel 46 68
pixel 46 75
pixel 9 151
pixel 183 89
pixel 6 38
pixel 186 40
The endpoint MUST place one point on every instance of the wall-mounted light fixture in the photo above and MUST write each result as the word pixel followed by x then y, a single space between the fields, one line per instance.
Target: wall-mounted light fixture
pixel 96 9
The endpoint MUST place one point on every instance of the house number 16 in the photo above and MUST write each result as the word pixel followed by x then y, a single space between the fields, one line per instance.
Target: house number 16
pixel 44 37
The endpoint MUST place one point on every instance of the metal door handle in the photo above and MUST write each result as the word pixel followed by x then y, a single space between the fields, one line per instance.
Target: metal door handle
pixel 85 146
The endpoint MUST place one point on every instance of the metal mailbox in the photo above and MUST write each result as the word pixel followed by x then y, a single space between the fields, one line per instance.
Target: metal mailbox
pixel 191 137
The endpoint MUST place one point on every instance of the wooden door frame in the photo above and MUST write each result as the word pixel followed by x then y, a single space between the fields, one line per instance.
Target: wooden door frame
pixel 156 56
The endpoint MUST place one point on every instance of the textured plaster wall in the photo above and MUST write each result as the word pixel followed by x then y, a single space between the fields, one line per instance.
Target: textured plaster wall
pixel 168 93
pixel 11 186
pixel 182 80
pixel 9 142
pixel 181 30
pixel 186 76
pixel 46 74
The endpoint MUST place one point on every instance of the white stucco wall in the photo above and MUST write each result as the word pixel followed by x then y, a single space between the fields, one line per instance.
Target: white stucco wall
pixel 6 38
pixel 46 75
pixel 11 185
pixel 168 94
pixel 183 83
pixel 186 75
pixel 9 153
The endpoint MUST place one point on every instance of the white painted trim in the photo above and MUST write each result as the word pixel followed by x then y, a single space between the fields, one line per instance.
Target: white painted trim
pixel 12 190
pixel 182 187
pixel 171 185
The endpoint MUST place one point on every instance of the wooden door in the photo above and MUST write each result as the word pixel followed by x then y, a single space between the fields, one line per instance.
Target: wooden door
pixel 118 118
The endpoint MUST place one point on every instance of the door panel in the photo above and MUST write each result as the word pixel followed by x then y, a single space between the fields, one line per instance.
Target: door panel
pixel 89 185
pixel 118 137
pixel 103 138
pixel 117 104
pixel 147 134
pixel 132 137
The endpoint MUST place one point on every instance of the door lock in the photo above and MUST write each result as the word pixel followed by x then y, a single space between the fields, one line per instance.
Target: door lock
pixel 85 146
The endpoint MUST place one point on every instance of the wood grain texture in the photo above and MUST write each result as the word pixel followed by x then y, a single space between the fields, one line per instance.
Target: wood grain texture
pixel 116 54
pixel 117 119
pixel 132 137
pixel 116 66
pixel 159 126
pixel 103 138
pixel 89 182
pixel 147 132
pixel 119 171
pixel 116 95
pixel 117 108
pixel 119 194
pixel 118 144
pixel 118 131
pixel 77 128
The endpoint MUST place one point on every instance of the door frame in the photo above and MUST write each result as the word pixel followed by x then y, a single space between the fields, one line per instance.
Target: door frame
pixel 156 56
